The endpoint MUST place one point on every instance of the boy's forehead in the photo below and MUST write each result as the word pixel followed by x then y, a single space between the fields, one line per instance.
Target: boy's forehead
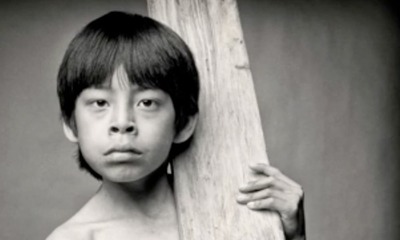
pixel 118 80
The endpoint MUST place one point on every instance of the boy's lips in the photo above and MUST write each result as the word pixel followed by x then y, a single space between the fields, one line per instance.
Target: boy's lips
pixel 123 149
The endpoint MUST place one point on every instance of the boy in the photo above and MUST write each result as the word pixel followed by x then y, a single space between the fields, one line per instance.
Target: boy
pixel 128 90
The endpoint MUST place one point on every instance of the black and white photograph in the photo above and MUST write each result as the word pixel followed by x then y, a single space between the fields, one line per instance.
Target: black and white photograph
pixel 199 119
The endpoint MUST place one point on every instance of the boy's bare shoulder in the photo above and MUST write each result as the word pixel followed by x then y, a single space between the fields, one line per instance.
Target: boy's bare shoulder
pixel 86 224
pixel 78 227
pixel 70 231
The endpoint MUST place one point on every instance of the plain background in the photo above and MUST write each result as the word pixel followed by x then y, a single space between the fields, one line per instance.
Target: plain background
pixel 328 89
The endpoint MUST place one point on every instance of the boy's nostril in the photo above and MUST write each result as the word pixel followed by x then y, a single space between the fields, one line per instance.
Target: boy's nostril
pixel 121 129
pixel 129 129
pixel 114 129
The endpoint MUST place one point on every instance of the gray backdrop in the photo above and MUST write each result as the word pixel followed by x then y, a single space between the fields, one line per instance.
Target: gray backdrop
pixel 327 83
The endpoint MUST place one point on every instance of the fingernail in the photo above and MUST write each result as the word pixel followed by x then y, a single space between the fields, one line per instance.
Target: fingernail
pixel 253 165
pixel 240 198
pixel 251 205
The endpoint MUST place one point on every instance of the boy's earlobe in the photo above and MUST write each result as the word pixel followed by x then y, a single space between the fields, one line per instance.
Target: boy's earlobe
pixel 69 133
pixel 188 130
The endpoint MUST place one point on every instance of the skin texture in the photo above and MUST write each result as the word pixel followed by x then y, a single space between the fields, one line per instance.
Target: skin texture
pixel 133 129
pixel 125 134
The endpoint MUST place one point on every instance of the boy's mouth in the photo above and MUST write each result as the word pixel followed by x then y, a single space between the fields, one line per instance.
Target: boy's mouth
pixel 123 149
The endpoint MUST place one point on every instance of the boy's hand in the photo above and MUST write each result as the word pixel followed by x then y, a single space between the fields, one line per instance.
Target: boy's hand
pixel 274 191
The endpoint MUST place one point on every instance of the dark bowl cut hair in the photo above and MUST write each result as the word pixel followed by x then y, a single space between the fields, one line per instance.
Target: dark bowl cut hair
pixel 152 54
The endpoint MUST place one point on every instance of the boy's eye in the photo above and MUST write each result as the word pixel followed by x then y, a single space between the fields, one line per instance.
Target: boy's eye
pixel 147 104
pixel 100 103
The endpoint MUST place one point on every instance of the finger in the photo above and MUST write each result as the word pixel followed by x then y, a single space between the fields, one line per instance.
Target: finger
pixel 271 203
pixel 273 172
pixel 259 195
pixel 264 204
pixel 263 183
pixel 257 185
pixel 285 204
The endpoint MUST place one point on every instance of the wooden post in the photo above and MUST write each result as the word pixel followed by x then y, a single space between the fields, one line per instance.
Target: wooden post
pixel 229 136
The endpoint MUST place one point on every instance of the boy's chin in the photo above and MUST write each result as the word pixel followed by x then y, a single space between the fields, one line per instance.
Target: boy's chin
pixel 138 177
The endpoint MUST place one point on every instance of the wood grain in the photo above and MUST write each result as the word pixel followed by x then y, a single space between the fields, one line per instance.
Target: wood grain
pixel 229 135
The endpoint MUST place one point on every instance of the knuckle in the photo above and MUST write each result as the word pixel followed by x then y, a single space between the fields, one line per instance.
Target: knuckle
pixel 268 202
pixel 251 196
pixel 261 204
pixel 263 165
pixel 265 193
pixel 290 208
pixel 275 171
pixel 272 180
pixel 267 182
pixel 296 199
pixel 300 193
pixel 252 183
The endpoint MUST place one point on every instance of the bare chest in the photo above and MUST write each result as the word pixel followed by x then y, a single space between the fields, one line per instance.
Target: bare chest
pixel 128 231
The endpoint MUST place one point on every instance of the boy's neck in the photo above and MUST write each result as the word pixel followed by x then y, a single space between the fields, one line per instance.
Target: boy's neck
pixel 151 197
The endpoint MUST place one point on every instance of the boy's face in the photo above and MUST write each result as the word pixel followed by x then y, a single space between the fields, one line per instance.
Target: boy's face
pixel 124 132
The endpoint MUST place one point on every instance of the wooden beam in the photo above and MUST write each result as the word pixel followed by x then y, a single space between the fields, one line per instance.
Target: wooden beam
pixel 229 136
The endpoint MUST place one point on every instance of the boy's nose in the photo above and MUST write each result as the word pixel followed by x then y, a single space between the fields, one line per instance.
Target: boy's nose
pixel 127 127
pixel 123 122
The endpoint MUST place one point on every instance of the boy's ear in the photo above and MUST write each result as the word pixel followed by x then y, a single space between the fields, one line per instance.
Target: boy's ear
pixel 69 133
pixel 188 130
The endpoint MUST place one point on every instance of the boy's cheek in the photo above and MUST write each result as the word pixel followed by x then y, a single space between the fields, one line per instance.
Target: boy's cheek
pixel 86 121
pixel 155 125
pixel 91 133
